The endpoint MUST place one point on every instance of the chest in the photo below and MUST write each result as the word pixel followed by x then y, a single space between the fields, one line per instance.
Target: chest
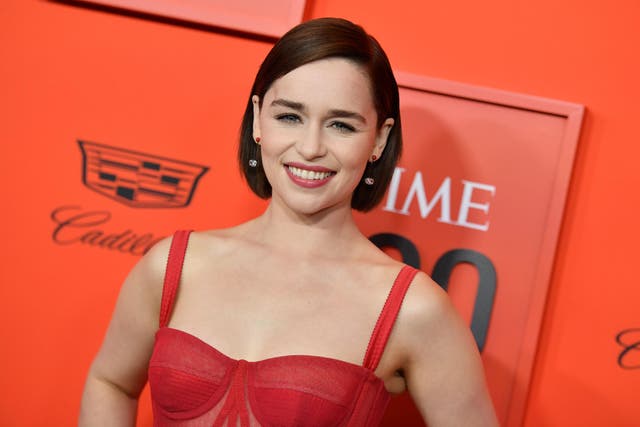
pixel 193 383
pixel 259 317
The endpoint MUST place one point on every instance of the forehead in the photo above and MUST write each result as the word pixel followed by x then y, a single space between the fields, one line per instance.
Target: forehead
pixel 334 82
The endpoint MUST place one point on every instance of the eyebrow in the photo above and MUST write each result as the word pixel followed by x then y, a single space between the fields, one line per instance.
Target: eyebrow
pixel 298 106
pixel 348 115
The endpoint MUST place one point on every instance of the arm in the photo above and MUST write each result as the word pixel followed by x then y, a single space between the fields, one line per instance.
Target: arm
pixel 119 371
pixel 443 370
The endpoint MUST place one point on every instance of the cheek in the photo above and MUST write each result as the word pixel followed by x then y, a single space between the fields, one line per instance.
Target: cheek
pixel 354 163
pixel 271 141
pixel 357 153
pixel 358 162
pixel 277 139
pixel 269 156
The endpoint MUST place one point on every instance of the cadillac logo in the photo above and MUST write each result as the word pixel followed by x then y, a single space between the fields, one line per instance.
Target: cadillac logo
pixel 136 179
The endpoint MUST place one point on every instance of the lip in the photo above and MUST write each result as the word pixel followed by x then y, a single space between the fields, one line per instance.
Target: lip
pixel 314 168
pixel 308 183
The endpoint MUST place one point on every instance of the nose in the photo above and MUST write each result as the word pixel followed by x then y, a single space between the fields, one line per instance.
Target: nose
pixel 311 144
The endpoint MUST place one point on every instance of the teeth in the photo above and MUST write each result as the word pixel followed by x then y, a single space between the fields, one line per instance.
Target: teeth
pixel 307 174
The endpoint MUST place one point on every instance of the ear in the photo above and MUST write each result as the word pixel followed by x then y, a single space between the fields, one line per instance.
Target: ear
pixel 382 137
pixel 256 117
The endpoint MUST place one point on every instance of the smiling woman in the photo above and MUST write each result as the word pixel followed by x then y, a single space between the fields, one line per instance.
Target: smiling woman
pixel 318 136
pixel 294 318
pixel 330 39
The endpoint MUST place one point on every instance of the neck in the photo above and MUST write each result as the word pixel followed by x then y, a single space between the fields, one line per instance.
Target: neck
pixel 331 233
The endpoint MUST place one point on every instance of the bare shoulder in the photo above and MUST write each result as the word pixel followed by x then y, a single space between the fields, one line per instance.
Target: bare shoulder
pixel 148 273
pixel 141 291
pixel 215 242
pixel 426 316
pixel 443 369
pixel 143 286
pixel 209 246
pixel 427 306
pixel 424 292
pixel 429 326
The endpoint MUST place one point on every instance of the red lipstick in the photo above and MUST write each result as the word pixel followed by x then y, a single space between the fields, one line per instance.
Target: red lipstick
pixel 308 176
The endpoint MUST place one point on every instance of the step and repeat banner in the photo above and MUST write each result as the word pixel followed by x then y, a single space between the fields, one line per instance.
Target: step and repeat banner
pixel 476 202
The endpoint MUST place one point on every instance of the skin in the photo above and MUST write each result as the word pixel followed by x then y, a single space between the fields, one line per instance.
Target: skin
pixel 318 295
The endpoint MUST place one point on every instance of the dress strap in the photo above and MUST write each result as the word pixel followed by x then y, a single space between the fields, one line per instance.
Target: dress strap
pixel 172 274
pixel 387 317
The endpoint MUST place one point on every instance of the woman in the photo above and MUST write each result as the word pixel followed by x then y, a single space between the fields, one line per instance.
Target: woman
pixel 294 318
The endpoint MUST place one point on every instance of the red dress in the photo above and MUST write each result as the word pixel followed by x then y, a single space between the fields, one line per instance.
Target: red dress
pixel 193 384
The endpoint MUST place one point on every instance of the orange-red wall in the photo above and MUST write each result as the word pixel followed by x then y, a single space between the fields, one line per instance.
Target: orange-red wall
pixel 67 72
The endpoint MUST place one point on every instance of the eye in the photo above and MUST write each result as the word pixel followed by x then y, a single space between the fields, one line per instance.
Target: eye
pixel 288 118
pixel 342 127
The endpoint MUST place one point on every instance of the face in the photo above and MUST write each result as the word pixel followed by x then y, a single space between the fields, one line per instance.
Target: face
pixel 318 128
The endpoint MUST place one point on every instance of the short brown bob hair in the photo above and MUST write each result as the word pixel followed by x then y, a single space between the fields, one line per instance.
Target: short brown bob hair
pixel 320 39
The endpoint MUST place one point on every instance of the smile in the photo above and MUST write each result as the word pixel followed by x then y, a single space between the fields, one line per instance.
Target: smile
pixel 309 176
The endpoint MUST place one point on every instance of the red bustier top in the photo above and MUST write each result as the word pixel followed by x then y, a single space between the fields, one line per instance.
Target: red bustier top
pixel 193 384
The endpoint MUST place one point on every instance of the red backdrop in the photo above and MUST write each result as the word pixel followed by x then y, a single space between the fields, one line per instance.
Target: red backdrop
pixel 71 73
